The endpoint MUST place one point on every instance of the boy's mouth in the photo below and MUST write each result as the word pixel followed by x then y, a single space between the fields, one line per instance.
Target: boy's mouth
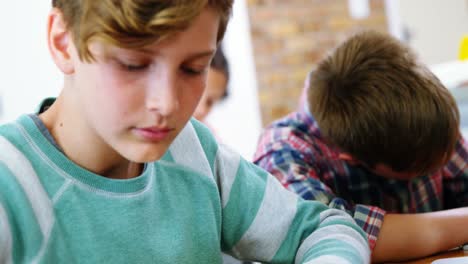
pixel 153 134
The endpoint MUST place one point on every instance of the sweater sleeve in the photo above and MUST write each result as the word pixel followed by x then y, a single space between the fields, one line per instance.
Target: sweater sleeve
pixel 262 221
pixel 5 237
pixel 293 162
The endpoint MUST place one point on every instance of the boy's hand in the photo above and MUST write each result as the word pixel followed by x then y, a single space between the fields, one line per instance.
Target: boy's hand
pixel 409 236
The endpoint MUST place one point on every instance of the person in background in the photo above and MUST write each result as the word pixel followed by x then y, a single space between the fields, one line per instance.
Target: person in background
pixel 117 171
pixel 216 85
pixel 216 90
pixel 379 139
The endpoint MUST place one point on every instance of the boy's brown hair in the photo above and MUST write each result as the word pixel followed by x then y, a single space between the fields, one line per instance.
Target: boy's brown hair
pixel 372 99
pixel 133 23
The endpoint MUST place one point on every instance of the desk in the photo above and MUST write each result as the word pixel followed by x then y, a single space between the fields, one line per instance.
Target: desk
pixel 449 254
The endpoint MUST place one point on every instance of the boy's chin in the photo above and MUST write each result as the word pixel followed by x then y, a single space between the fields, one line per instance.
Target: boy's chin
pixel 142 157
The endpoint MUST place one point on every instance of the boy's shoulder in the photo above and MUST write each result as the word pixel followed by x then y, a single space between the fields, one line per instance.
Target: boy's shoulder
pixel 296 138
pixel 21 145
pixel 202 131
pixel 17 173
pixel 6 128
pixel 11 135
pixel 194 147
pixel 296 129
pixel 203 134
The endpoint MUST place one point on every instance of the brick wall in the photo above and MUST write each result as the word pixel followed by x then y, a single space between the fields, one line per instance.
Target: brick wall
pixel 290 36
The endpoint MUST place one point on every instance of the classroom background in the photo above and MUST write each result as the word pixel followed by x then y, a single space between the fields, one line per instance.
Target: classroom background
pixel 271 45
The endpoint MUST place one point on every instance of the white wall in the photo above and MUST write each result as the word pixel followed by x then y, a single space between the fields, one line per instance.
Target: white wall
pixel 237 120
pixel 28 74
pixel 435 27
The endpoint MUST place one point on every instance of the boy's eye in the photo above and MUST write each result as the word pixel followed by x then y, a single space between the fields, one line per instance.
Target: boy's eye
pixel 193 71
pixel 133 67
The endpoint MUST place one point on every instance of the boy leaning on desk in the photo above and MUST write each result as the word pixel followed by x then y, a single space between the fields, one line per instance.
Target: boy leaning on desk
pixel 379 138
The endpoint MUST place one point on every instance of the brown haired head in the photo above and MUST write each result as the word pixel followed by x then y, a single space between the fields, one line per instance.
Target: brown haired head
pixel 220 63
pixel 372 99
pixel 133 23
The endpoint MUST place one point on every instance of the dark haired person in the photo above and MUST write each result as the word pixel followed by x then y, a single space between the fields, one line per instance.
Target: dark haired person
pixel 379 138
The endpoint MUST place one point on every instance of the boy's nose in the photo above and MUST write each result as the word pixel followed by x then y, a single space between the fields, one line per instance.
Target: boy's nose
pixel 162 96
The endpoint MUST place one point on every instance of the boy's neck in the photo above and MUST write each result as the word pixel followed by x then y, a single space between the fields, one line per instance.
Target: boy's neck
pixel 84 147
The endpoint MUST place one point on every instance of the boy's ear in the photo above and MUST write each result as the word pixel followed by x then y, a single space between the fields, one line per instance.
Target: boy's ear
pixel 59 41
pixel 348 158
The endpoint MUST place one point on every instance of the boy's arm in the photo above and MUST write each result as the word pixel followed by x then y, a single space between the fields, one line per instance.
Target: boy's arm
pixel 5 237
pixel 295 168
pixel 263 221
pixel 395 236
pixel 409 236
pixel 428 233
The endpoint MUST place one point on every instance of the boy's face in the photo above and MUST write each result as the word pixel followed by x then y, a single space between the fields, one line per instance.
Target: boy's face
pixel 137 101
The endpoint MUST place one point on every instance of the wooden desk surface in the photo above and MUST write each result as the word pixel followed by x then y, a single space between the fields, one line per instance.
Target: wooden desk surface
pixel 450 254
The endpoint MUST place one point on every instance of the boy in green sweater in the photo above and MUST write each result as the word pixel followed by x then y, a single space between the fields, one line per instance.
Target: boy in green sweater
pixel 116 171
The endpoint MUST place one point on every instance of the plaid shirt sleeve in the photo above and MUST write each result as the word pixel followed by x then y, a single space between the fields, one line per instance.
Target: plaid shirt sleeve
pixel 455 175
pixel 290 158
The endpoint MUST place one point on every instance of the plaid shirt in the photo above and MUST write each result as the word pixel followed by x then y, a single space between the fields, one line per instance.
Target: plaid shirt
pixel 293 150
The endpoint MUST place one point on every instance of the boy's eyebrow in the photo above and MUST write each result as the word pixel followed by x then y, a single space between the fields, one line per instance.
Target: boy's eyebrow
pixel 194 56
pixel 200 55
